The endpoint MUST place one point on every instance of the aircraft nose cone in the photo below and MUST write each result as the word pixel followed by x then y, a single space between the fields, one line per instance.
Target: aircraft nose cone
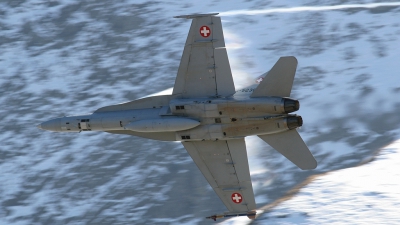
pixel 51 125
pixel 39 126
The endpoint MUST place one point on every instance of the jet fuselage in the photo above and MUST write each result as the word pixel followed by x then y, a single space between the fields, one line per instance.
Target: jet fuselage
pixel 189 119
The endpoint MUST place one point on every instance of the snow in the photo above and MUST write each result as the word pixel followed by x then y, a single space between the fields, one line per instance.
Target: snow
pixel 366 194
pixel 307 9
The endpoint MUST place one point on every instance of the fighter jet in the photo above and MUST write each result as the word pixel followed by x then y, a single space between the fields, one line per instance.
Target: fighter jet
pixel 209 117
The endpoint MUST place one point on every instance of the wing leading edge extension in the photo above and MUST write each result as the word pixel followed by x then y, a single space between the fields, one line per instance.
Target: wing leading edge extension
pixel 204 70
pixel 224 164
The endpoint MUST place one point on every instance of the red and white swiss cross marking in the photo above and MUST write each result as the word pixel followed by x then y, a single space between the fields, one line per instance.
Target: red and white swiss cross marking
pixel 236 198
pixel 205 31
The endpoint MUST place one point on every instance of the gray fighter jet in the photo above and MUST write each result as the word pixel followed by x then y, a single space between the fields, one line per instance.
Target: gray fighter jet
pixel 209 117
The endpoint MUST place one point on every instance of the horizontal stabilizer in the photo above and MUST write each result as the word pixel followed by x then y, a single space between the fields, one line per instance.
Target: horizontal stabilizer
pixel 279 80
pixel 292 146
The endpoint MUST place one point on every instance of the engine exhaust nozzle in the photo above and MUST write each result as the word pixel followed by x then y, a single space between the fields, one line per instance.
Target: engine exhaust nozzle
pixel 294 122
pixel 291 105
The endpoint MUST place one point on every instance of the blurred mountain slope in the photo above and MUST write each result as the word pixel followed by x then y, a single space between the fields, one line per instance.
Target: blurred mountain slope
pixel 71 57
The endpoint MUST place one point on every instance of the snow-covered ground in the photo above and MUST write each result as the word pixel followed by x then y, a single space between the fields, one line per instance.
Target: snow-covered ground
pixel 71 57
pixel 367 194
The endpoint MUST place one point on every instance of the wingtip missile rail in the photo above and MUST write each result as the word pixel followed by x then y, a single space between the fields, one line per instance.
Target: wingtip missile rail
pixel 250 215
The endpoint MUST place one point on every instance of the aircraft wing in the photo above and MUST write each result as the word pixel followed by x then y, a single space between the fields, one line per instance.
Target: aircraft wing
pixel 224 164
pixel 204 70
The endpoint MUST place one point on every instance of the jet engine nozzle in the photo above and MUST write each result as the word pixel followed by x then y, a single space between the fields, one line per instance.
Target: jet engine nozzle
pixel 162 125
pixel 294 122
pixel 291 105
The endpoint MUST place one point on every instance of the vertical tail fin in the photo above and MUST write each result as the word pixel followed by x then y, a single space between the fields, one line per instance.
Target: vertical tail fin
pixel 279 80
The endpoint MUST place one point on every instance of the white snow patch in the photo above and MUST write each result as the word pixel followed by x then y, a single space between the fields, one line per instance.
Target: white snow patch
pixel 308 9
pixel 367 194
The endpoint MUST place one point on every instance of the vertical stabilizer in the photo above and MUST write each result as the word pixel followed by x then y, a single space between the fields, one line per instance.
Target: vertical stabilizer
pixel 279 80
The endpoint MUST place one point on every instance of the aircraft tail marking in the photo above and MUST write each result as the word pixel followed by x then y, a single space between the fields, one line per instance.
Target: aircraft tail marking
pixel 279 80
